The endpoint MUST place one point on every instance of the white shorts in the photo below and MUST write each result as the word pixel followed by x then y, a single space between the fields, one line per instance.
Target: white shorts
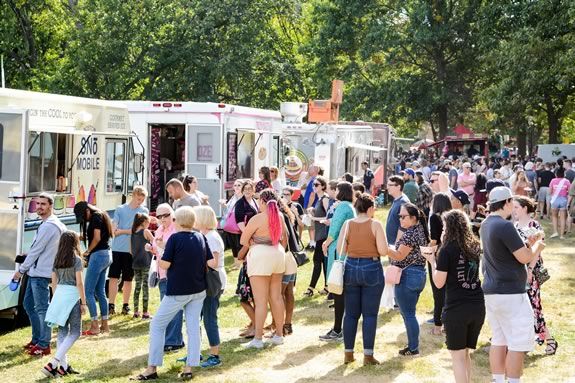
pixel 511 320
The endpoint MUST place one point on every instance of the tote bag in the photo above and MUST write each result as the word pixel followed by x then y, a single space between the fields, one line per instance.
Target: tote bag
pixel 230 225
pixel 153 276
pixel 335 278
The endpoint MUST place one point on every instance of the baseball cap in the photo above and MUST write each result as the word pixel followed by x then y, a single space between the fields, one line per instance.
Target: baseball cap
pixel 529 165
pixel 500 193
pixel 461 195
pixel 415 163
pixel 491 184
pixel 409 171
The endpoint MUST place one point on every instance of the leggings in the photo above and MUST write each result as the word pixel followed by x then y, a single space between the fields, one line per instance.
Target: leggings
pixel 438 299
pixel 141 277
pixel 339 308
pixel 318 264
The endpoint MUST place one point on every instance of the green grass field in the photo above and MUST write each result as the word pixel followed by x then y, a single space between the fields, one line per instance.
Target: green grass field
pixel 303 358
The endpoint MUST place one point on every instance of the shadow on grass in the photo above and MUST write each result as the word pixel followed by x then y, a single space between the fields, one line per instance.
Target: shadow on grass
pixel 301 356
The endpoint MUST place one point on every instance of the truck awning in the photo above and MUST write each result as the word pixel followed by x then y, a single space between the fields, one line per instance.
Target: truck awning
pixel 364 147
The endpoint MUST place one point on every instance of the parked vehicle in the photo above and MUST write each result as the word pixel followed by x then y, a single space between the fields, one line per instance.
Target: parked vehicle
pixel 216 143
pixel 78 149
pixel 552 152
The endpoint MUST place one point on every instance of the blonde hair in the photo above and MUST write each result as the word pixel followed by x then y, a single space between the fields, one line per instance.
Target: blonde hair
pixel 205 218
pixel 185 217
pixel 140 190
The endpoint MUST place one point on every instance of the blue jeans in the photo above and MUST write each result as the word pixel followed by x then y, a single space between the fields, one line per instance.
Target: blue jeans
pixel 210 314
pixel 363 283
pixel 95 283
pixel 169 307
pixel 174 330
pixel 69 333
pixel 407 294
pixel 36 300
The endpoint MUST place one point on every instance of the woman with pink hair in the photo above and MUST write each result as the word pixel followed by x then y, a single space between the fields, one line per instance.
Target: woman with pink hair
pixel 265 236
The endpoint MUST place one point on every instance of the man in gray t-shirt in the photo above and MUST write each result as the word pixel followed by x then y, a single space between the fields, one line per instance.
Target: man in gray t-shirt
pixel 507 305
pixel 175 189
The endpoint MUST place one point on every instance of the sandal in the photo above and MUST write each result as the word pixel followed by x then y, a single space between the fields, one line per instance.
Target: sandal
pixel 152 376
pixel 288 330
pixel 551 348
pixel 436 332
pixel 309 292
pixel 246 331
pixel 324 291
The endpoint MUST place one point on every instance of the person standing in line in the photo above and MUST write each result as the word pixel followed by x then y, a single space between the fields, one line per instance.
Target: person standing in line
pixel 342 213
pixel 523 208
pixel 544 177
pixel 277 183
pixel 190 184
pixel 441 204
pixel 66 277
pixel 140 239
pixel 309 200
pixel 569 172
pixel 368 177
pixel 393 229
pixel 232 237
pixel 467 180
pixel 318 214
pixel 424 194
pixel 363 242
pixel 559 192
pixel 407 256
pixel 180 196
pixel 121 257
pixel 96 228
pixel 207 223
pixel 185 258
pixel 166 228
pixel 509 312
pixel 38 265
pixel 457 271
pixel 410 188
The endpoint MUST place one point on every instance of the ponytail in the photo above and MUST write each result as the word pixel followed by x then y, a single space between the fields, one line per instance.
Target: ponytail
pixel 274 221
pixel 414 211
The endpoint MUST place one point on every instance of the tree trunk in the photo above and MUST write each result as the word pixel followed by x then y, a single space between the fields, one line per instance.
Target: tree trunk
pixel 433 131
pixel 521 139
pixel 442 120
pixel 554 121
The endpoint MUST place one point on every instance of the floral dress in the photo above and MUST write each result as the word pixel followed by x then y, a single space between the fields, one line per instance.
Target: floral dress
pixel 534 290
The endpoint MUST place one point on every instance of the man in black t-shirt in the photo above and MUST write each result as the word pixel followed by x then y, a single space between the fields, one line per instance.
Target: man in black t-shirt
pixel 544 177
pixel 508 309
pixel 367 176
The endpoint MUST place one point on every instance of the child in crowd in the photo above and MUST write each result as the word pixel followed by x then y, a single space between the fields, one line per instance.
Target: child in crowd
pixel 68 303
pixel 141 260
pixel 206 223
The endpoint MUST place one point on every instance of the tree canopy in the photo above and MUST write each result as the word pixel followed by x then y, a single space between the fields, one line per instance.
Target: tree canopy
pixel 506 65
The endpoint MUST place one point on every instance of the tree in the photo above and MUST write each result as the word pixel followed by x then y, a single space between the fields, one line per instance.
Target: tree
pixel 411 59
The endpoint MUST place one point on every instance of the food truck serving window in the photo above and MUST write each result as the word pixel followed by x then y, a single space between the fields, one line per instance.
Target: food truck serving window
pixel 115 155
pixel 48 159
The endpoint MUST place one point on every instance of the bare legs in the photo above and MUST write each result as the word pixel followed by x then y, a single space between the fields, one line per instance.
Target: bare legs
pixel 554 217
pixel 268 289
pixel 506 362
pixel 113 291
pixel 562 222
pixel 461 365
pixel 289 301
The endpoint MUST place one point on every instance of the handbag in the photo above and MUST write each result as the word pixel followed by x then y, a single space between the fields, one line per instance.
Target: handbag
pixel 298 252
pixel 230 225
pixel 213 281
pixel 335 278
pixel 153 275
pixel 541 275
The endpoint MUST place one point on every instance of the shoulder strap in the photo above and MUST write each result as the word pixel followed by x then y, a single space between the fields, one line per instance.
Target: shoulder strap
pixel 344 239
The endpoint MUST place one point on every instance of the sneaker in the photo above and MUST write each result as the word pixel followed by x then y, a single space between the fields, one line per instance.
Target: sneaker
pixel 39 351
pixel 125 310
pixel 50 371
pixel 430 321
pixel 29 345
pixel 111 309
pixel 136 314
pixel 212 361
pixel 554 235
pixel 67 371
pixel 146 316
pixel 173 348
pixel 332 335
pixel 407 352
pixel 275 340
pixel 184 359
pixel 254 343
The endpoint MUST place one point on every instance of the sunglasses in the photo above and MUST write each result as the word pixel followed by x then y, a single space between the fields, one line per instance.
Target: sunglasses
pixel 403 216
pixel 389 185
pixel 162 216
pixel 316 184
pixel 432 181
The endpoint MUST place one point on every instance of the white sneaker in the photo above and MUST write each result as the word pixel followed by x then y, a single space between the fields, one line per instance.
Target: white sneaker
pixel 254 343
pixel 554 235
pixel 276 339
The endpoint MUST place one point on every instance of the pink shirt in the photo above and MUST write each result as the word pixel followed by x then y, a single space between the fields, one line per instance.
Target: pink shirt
pixel 554 184
pixel 467 178
pixel 164 234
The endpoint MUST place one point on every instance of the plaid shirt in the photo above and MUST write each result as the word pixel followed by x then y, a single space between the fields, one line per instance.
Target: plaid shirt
pixel 424 197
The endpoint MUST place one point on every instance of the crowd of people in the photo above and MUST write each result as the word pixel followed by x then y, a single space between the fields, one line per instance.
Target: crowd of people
pixel 446 217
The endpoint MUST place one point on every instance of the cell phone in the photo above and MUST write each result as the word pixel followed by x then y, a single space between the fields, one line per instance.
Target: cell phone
pixel 20 258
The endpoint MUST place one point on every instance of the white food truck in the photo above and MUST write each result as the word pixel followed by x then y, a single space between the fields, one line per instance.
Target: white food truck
pixel 216 143
pixel 336 147
pixel 78 149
